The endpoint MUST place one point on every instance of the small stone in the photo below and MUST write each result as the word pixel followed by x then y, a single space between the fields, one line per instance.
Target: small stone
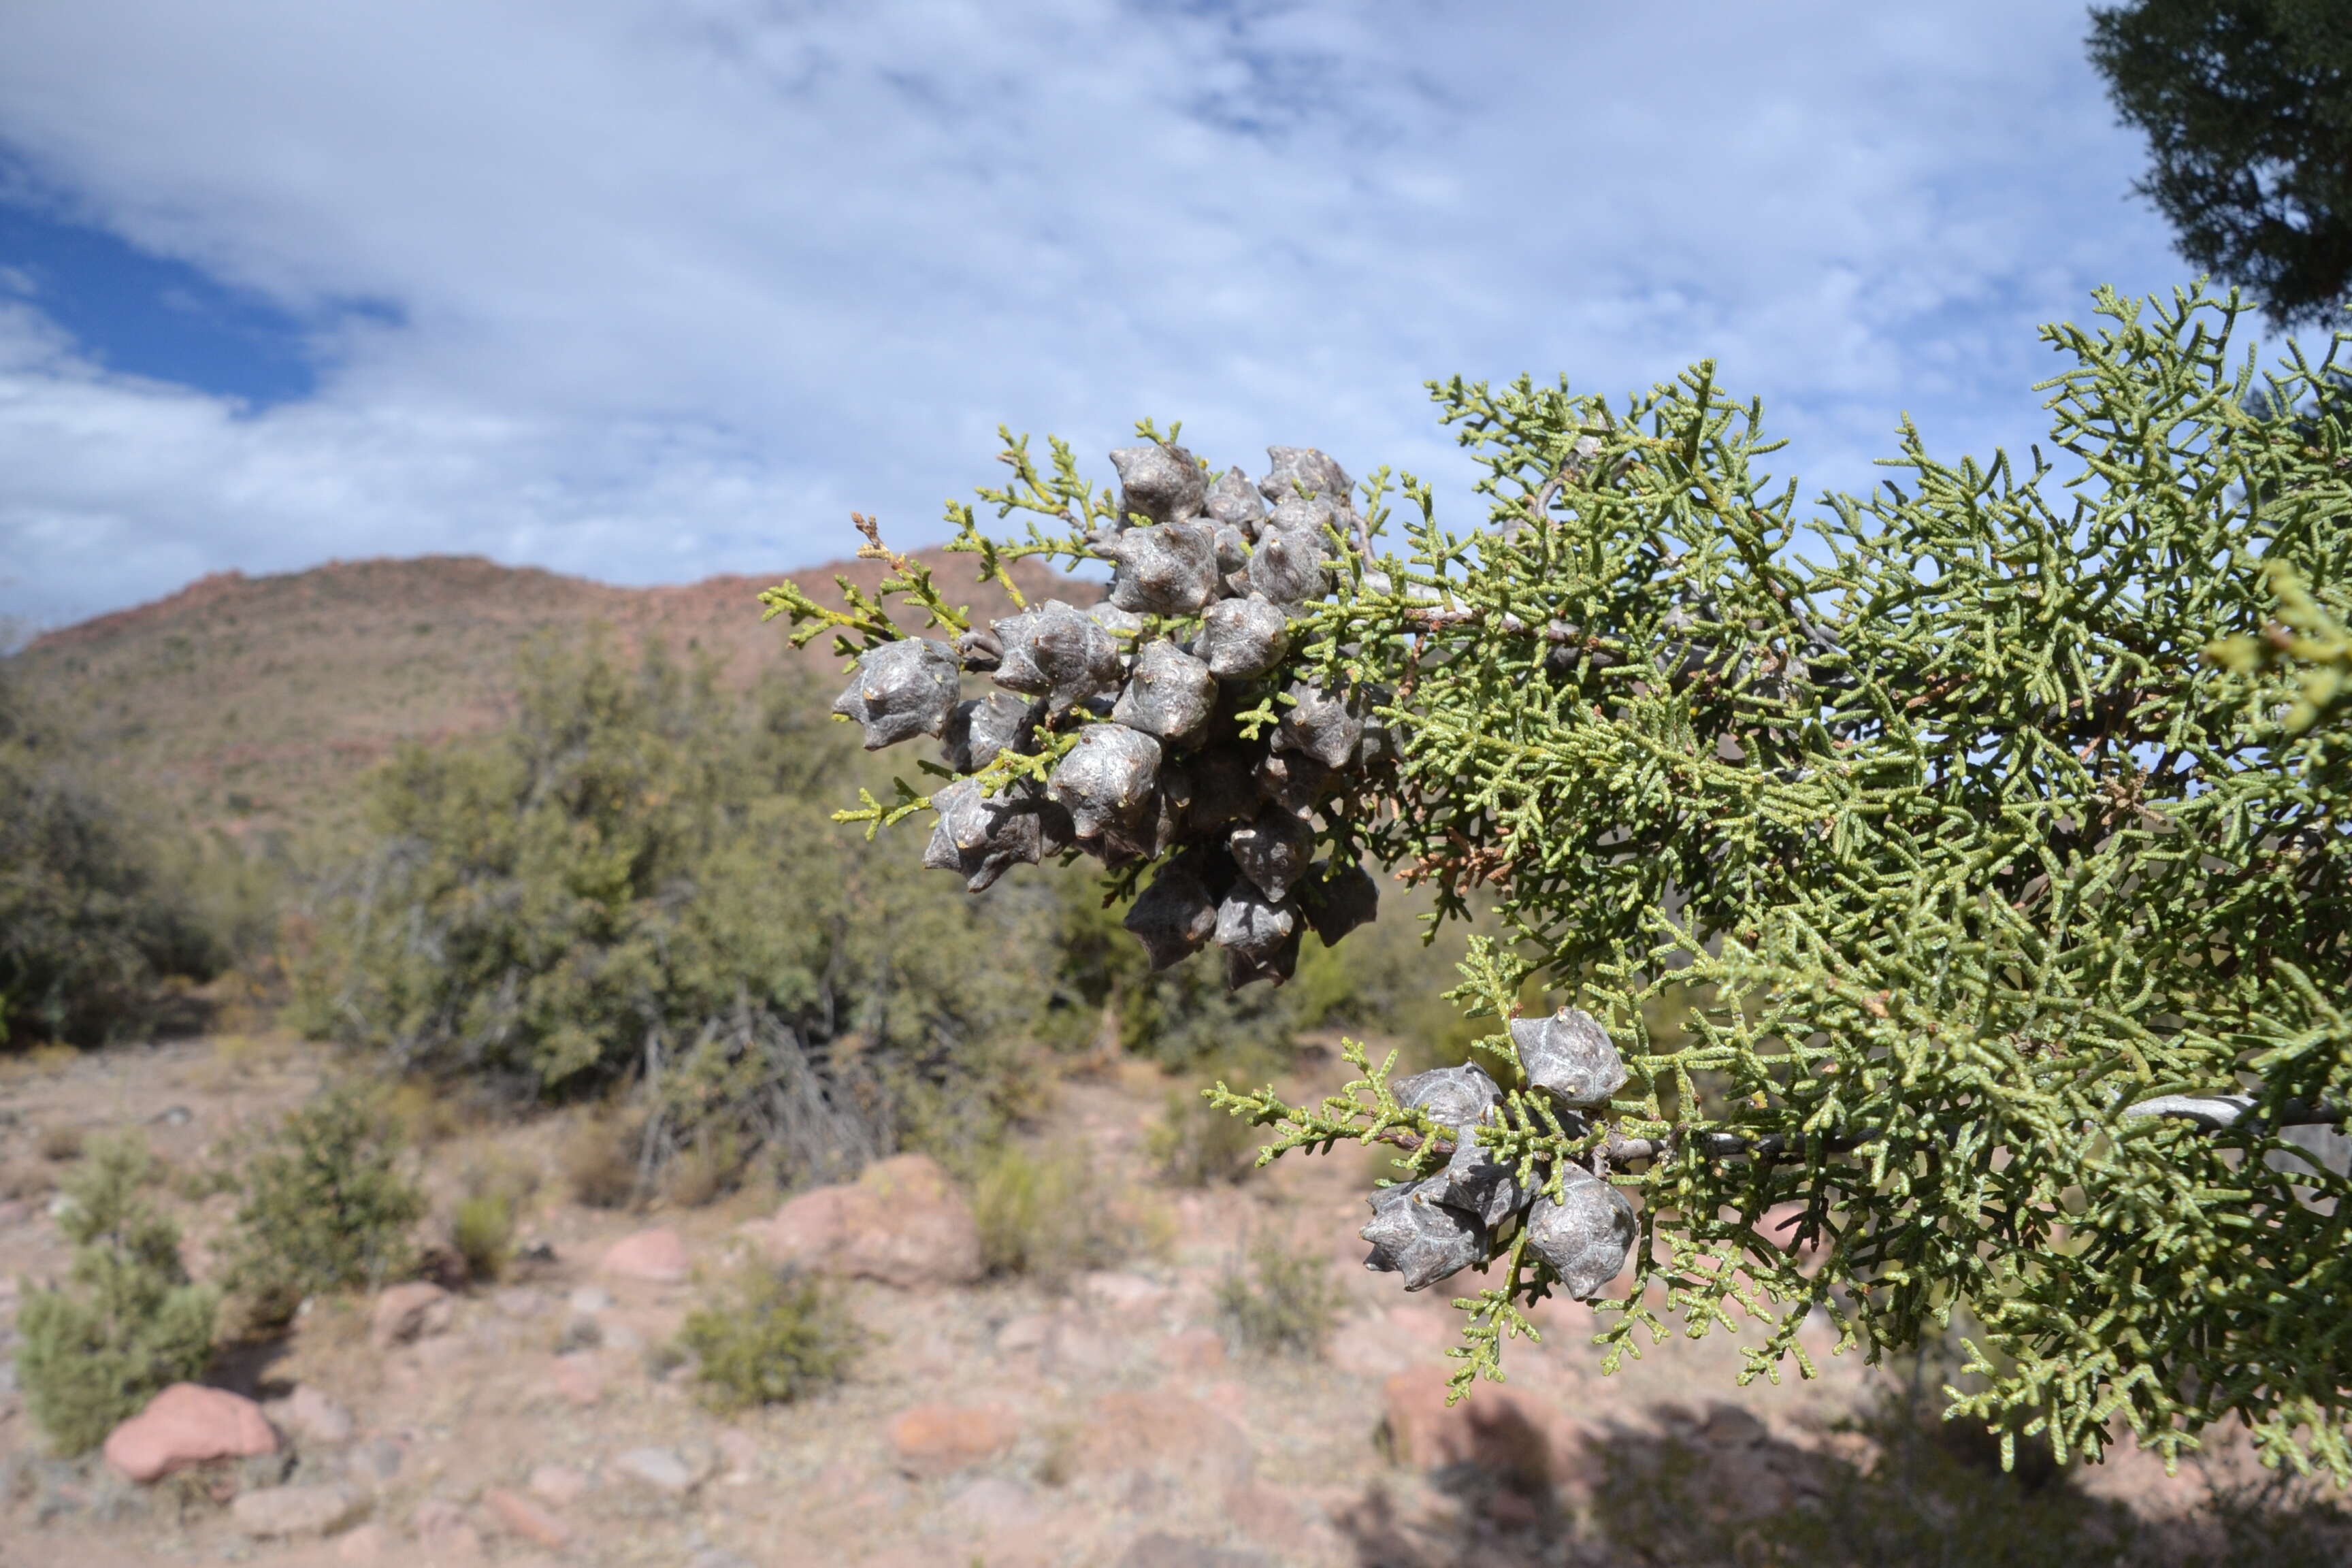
pixel 740 1450
pixel 186 1425
pixel 1174 917
pixel 1570 1055
pixel 1241 640
pixel 1105 781
pixel 416 1310
pixel 1234 502
pixel 1585 1238
pixel 296 1510
pixel 365 1544
pixel 1324 725
pixel 517 1515
pixel 1425 1242
pixel 1272 851
pixel 316 1418
pixel 938 1439
pixel 979 730
pixel 558 1484
pixel 1291 469
pixel 660 1469
pixel 1452 1096
pixel 1167 569
pixel 519 1301
pixel 1159 481
pixel 1171 695
pixel 441 1528
pixel 579 1378
pixel 1289 566
pixel 587 1301
pixel 1336 905
pixel 657 1256
pixel 1057 653
pixel 901 689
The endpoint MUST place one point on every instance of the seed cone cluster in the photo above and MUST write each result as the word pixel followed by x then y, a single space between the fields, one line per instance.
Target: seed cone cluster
pixel 1208 581
pixel 1434 1227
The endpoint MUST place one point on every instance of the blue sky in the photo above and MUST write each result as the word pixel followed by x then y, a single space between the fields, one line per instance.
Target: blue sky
pixel 646 291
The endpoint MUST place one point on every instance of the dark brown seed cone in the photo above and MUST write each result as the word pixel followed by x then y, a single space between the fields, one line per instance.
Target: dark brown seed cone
pixel 1570 1055
pixel 1291 468
pixel 1174 917
pixel 1105 781
pixel 1272 851
pixel 1337 904
pixel 978 730
pixel 1452 1096
pixel 1241 640
pixel 1057 653
pixel 1260 936
pixel 1158 482
pixel 1294 781
pixel 1325 725
pixel 1276 969
pixel 1167 569
pixel 1289 565
pixel 1425 1242
pixel 1169 695
pixel 1234 501
pixel 901 689
pixel 1587 1238
pixel 1224 788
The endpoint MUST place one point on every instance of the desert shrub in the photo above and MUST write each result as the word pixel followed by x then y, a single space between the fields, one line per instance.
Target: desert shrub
pixel 1193 1145
pixel 90 1357
pixel 92 914
pixel 326 1207
pixel 60 1143
pixel 1283 1303
pixel 767 1340
pixel 637 892
pixel 482 1231
pixel 1042 1213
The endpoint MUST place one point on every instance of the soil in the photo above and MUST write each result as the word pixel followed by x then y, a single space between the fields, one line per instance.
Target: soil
pixel 1124 1426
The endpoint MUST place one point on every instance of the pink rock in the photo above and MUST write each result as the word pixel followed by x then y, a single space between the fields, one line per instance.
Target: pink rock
pixel 559 1484
pixel 1165 1434
pixel 312 1416
pixel 739 1449
pixel 411 1311
pixel 579 1378
pixel 517 1515
pixel 936 1439
pixel 1194 1350
pixel 188 1424
pixel 443 1531
pixel 657 1256
pixel 365 1544
pixel 902 1223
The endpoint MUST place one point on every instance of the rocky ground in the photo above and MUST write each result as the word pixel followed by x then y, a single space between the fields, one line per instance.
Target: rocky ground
pixel 1102 1419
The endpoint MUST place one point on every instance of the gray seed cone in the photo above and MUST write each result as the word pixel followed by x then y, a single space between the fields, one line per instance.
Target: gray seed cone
pixel 1241 640
pixel 1324 725
pixel 979 651
pixel 1224 788
pixel 1293 781
pixel 1424 1242
pixel 1272 851
pixel 1454 1097
pixel 1570 1055
pixel 901 689
pixel 1587 1238
pixel 1057 653
pixel 1476 1183
pixel 1233 500
pixel 1336 905
pixel 978 730
pixel 1306 515
pixel 1105 781
pixel 1169 694
pixel 979 838
pixel 1121 624
pixel 1160 482
pixel 1231 546
pixel 1290 468
pixel 1170 569
pixel 1174 917
pixel 1289 566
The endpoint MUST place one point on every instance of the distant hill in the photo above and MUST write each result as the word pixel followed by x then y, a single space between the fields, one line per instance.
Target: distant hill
pixel 253 703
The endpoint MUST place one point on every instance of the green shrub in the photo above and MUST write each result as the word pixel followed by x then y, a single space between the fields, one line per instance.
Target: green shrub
pixel 483 1233
pixel 768 1340
pixel 88 1359
pixel 1042 1213
pixel 326 1207
pixel 599 1157
pixel 1194 1144
pixel 1283 1304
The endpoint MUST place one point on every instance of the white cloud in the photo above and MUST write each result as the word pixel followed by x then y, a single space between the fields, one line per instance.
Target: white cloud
pixel 678 285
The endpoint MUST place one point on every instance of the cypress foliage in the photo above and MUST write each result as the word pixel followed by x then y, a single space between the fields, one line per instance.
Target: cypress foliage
pixel 1985 834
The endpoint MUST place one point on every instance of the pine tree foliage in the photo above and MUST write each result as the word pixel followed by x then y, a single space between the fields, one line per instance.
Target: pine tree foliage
pixel 1987 833
pixel 91 1356
pixel 2247 106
